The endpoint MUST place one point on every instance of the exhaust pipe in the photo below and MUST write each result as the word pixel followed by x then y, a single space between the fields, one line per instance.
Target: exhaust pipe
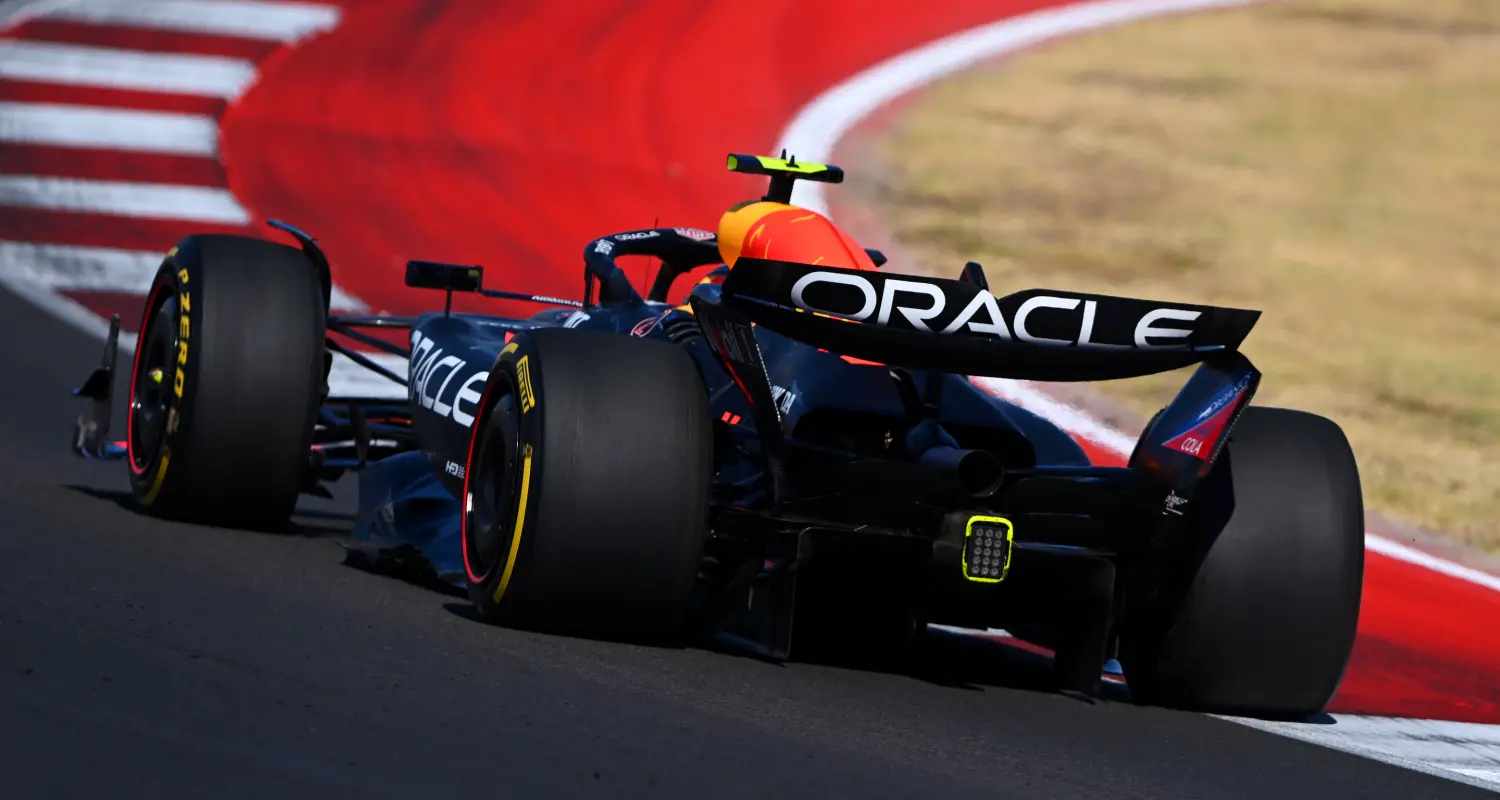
pixel 976 473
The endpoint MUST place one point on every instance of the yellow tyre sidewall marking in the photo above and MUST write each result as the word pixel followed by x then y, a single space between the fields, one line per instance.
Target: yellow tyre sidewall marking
pixel 529 399
pixel 161 476
pixel 179 378
pixel 523 376
pixel 520 526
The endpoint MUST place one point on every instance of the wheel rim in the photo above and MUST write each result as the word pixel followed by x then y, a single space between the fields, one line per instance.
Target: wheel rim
pixel 494 484
pixel 151 395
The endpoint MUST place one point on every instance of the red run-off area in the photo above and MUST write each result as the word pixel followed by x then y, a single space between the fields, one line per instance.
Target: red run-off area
pixel 510 134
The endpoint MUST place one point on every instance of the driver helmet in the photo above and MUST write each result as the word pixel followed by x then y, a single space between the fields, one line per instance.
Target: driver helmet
pixel 765 229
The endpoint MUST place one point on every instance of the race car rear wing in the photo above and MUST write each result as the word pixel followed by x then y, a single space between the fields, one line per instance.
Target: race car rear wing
pixel 959 326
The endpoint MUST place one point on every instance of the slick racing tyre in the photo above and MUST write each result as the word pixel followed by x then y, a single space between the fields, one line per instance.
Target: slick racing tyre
pixel 225 383
pixel 586 485
pixel 1259 616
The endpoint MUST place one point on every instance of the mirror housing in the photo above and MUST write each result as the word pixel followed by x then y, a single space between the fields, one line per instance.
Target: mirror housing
pixel 448 277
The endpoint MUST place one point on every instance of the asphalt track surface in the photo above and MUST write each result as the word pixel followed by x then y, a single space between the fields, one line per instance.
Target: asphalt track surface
pixel 143 657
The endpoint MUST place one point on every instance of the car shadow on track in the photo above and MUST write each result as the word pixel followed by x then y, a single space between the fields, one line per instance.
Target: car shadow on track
pixel 308 523
pixel 403 564
pixel 965 662
pixel 941 658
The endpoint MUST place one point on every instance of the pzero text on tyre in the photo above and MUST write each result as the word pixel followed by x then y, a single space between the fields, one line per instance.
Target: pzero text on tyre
pixel 1259 617
pixel 587 485
pixel 225 382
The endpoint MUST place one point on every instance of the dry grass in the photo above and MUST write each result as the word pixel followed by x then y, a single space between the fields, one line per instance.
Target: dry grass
pixel 1335 163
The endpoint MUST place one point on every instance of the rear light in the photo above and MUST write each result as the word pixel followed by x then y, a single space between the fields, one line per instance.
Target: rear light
pixel 987 548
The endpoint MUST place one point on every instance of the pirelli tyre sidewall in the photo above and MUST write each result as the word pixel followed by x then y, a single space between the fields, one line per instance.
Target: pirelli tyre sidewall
pixel 161 368
pixel 500 477
pixel 586 486
pixel 225 382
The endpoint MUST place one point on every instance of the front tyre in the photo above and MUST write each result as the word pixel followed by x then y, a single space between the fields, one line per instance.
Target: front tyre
pixel 587 485
pixel 225 383
pixel 1259 616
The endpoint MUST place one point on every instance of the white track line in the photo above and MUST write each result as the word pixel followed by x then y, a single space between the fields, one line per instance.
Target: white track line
pixel 39 271
pixel 348 379
pixel 63 267
pixel 142 200
pixel 819 125
pixel 340 300
pixel 109 129
pixel 58 266
pixel 345 378
pixel 1411 555
pixel 247 19
pixel 1070 417
pixel 61 306
pixel 112 68
pixel 15 12
pixel 1460 751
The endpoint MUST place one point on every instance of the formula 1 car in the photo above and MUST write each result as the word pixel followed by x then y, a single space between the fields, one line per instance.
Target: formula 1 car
pixel 792 455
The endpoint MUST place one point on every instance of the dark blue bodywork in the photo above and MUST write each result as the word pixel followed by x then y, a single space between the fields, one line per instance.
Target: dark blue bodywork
pixel 410 503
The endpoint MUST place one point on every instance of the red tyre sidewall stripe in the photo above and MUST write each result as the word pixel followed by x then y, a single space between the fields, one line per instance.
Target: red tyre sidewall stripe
pixel 135 371
pixel 463 525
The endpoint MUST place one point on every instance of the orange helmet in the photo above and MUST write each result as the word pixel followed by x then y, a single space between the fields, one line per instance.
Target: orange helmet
pixel 764 229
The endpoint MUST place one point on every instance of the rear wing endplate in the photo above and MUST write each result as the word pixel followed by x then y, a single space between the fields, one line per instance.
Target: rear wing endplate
pixel 1183 442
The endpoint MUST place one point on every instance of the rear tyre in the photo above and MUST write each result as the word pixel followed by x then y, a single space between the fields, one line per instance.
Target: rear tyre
pixel 225 383
pixel 1259 617
pixel 587 485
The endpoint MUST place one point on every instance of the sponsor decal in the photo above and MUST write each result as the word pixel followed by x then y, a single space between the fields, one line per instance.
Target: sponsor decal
pixel 604 247
pixel 648 325
pixel 784 398
pixel 696 234
pixel 1200 436
pixel 523 376
pixel 184 333
pixel 1225 397
pixel 575 319
pixel 732 342
pixel 629 237
pixel 919 305
pixel 454 469
pixel 1174 504
pixel 427 362
pixel 733 339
